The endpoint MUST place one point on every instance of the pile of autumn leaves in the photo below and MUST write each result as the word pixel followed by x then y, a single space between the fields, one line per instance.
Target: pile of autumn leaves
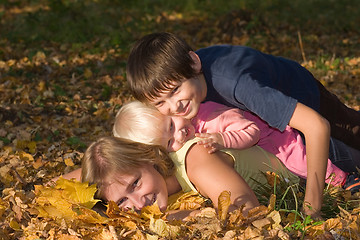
pixel 65 211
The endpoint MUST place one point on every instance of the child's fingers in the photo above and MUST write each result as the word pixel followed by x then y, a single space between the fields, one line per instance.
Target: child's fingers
pixel 212 150
pixel 205 141
pixel 203 135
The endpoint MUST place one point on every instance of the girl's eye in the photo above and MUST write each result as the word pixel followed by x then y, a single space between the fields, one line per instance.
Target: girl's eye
pixel 121 201
pixel 158 104
pixel 171 125
pixel 175 89
pixel 169 144
pixel 136 183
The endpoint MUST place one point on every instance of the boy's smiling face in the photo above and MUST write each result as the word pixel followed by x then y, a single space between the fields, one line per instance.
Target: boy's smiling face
pixel 183 98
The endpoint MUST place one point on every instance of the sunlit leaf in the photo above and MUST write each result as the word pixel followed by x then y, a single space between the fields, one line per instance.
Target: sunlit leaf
pixel 152 211
pixel 224 202
pixel 80 193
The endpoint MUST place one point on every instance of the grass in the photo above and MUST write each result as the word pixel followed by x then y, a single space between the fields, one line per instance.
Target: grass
pixel 288 199
pixel 108 23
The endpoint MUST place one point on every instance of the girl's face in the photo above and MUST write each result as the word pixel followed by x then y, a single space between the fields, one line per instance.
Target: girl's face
pixel 143 187
pixel 176 132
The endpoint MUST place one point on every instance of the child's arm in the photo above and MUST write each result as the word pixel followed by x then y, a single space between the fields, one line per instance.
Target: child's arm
pixel 316 130
pixel 229 129
pixel 213 173
pixel 73 174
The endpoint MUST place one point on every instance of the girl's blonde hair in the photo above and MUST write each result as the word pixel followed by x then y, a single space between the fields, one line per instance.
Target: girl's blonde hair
pixel 140 123
pixel 110 156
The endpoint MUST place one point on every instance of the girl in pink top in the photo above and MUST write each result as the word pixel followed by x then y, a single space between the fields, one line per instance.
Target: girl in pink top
pixel 287 146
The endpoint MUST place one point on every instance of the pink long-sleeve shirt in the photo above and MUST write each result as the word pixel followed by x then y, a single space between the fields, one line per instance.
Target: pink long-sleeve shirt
pixel 241 129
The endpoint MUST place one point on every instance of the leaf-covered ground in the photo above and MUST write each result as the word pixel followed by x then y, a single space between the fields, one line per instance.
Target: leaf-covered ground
pixel 62 79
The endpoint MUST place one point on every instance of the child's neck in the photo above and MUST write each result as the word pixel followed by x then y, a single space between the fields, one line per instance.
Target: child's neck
pixel 172 185
pixel 203 85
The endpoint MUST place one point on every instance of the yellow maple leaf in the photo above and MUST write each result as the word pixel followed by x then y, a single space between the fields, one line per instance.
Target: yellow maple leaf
pixel 65 199
pixel 50 203
pixel 78 192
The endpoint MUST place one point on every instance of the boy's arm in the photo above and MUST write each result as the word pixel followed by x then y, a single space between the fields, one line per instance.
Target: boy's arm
pixel 213 173
pixel 316 130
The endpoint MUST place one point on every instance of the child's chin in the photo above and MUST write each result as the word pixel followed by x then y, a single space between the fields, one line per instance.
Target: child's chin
pixel 163 208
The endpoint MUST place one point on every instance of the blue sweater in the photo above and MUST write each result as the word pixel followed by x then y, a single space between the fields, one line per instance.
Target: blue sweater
pixel 266 85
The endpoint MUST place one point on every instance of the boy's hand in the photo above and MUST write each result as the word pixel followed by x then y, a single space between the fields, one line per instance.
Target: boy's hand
pixel 308 210
pixel 212 141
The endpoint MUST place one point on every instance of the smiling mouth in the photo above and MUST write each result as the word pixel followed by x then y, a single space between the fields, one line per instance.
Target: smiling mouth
pixel 153 200
pixel 185 131
pixel 186 110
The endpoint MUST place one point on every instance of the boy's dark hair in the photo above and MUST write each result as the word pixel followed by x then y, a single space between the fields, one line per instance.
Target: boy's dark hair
pixel 155 62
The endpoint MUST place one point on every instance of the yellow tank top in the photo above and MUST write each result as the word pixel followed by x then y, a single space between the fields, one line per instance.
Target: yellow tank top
pixel 250 163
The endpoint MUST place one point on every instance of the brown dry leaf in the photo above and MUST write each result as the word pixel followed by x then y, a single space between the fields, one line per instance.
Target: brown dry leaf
pixel 160 227
pixel 283 235
pixel 271 177
pixel 257 212
pixel 88 73
pixel 207 213
pixel 185 201
pixel 23 155
pixel 67 237
pixel 236 217
pixel 229 235
pixel 276 218
pixel 112 209
pixel 344 214
pixel 69 162
pixel 332 223
pixel 224 202
pixel 152 211
pixel 272 202
pixel 14 225
pixel 3 206
pixel 189 206
pixel 207 226
pixel 262 223
pixel 252 233
pixel 38 163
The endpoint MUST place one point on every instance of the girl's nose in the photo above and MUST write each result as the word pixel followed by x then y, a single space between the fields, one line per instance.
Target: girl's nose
pixel 138 201
pixel 180 135
pixel 173 106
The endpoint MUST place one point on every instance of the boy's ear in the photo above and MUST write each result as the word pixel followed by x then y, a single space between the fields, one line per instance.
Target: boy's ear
pixel 197 62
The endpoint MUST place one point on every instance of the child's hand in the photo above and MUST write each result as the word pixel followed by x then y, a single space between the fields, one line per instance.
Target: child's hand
pixel 315 215
pixel 213 141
